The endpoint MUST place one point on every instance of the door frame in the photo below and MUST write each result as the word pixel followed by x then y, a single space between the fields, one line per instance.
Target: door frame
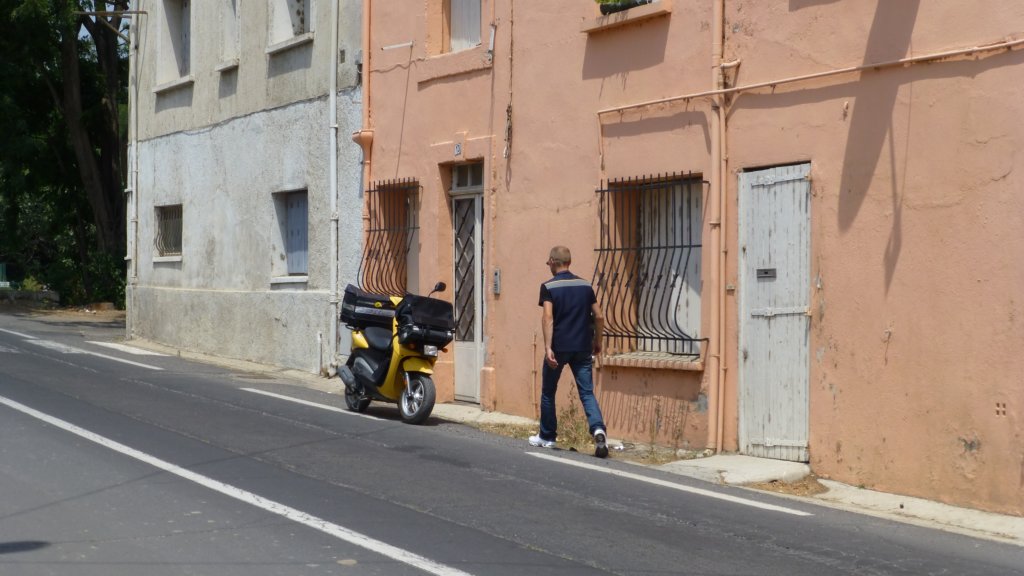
pixel 467 379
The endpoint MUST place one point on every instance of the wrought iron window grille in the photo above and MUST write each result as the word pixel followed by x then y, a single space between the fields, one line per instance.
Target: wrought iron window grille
pixel 392 208
pixel 647 274
pixel 168 230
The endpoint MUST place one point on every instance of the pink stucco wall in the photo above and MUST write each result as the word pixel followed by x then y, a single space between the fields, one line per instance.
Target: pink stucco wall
pixel 916 213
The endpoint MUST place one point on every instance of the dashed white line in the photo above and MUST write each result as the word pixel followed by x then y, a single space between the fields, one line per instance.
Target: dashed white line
pixel 674 486
pixel 288 512
pixel 65 349
pixel 18 334
pixel 125 348
pixel 308 403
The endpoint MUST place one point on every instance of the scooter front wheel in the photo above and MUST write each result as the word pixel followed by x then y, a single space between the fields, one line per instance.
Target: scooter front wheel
pixel 417 399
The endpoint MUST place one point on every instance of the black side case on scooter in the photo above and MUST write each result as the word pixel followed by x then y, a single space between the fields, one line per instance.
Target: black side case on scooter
pixel 360 309
pixel 424 320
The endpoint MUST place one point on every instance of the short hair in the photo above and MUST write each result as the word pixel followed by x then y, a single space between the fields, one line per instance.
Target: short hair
pixel 561 255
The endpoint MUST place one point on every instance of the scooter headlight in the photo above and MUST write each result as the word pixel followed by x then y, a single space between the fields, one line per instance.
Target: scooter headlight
pixel 429 350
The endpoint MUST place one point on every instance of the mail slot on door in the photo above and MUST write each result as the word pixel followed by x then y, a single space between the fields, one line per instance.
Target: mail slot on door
pixel 765 273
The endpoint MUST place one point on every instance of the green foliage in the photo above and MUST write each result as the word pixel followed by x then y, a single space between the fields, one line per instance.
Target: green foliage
pixel 49 230
pixel 32 285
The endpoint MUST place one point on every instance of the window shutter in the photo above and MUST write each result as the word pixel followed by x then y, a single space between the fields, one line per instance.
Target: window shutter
pixel 465 24
pixel 297 233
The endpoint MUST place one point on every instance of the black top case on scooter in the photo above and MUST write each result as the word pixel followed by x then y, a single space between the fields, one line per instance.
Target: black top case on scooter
pixel 424 320
pixel 360 309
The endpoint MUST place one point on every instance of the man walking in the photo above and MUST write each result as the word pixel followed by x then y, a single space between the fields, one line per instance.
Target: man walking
pixel 572 325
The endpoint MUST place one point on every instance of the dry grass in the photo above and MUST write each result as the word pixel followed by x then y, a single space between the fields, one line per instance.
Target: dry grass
pixel 808 486
pixel 570 437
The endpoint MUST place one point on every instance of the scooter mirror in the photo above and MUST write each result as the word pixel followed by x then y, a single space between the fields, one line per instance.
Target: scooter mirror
pixel 440 287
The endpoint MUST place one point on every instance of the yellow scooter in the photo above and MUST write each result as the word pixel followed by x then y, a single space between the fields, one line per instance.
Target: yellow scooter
pixel 395 343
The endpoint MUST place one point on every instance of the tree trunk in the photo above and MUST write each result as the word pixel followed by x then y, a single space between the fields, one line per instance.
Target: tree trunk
pixel 99 162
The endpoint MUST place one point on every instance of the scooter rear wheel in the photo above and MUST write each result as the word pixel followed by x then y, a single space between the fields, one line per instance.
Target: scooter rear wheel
pixel 417 401
pixel 356 402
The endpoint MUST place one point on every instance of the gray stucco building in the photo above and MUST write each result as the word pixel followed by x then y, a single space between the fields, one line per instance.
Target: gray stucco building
pixel 244 199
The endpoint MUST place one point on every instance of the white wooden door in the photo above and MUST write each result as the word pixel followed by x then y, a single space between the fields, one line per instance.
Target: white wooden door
pixel 774 228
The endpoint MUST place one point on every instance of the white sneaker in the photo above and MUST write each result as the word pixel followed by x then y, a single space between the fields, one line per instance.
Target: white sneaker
pixel 601 441
pixel 536 440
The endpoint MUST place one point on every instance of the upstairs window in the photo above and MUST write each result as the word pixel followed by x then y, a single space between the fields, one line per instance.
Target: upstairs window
pixel 290 19
pixel 463 21
pixel 229 33
pixel 174 41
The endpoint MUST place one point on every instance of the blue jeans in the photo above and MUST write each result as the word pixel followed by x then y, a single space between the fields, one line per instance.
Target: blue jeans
pixel 580 363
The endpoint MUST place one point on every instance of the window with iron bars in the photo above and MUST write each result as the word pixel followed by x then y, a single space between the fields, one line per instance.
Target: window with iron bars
pixel 648 268
pixel 168 230
pixel 393 221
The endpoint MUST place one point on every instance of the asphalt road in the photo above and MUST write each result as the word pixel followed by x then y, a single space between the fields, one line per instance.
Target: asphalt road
pixel 113 463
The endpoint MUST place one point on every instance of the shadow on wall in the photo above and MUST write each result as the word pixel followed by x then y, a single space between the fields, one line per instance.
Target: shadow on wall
pixel 614 127
pixel 865 140
pixel 798 4
pixel 623 50
pixel 889 39
pixel 295 58
pixel 180 97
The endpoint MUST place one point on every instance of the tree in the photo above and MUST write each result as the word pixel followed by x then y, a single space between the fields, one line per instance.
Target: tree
pixel 63 89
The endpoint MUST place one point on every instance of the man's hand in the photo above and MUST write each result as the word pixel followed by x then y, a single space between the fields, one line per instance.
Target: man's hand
pixel 550 359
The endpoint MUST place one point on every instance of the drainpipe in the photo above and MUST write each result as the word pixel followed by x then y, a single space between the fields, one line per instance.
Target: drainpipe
pixel 716 340
pixel 333 187
pixel 133 178
pixel 364 137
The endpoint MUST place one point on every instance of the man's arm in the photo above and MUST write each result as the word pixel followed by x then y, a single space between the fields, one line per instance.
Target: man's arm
pixel 547 321
pixel 598 327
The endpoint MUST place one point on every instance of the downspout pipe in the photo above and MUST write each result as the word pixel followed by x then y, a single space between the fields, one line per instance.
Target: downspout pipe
pixel 332 104
pixel 715 370
pixel 133 178
pixel 364 137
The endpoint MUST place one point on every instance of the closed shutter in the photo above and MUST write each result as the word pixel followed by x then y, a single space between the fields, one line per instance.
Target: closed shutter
pixel 465 24
pixel 297 233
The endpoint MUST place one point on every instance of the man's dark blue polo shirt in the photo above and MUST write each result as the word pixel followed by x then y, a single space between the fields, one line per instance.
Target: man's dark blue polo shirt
pixel 571 298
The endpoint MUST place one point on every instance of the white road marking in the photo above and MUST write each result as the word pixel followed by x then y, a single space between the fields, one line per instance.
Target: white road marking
pixel 288 512
pixel 308 403
pixel 19 334
pixel 124 348
pixel 6 350
pixel 674 486
pixel 65 349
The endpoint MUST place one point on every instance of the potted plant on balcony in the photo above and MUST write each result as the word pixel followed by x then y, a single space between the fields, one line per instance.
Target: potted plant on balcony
pixel 612 6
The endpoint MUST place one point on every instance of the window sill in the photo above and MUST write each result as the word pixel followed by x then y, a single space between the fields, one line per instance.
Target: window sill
pixel 226 66
pixel 454 63
pixel 174 84
pixel 631 16
pixel 290 43
pixel 280 280
pixel 162 259
pixel 654 360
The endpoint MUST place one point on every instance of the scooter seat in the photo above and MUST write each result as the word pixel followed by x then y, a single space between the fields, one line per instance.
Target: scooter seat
pixel 378 338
